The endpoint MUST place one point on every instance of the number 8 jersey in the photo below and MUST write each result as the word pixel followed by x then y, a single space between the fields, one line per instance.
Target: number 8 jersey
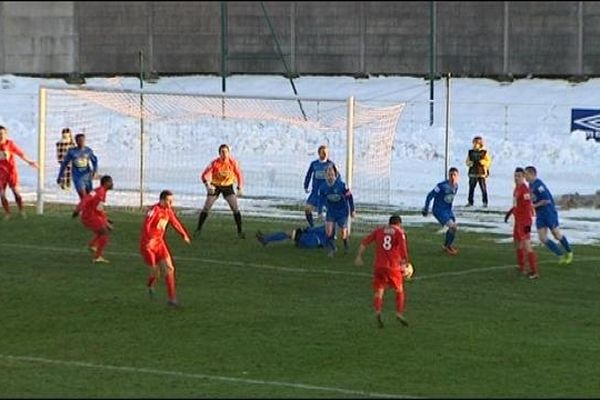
pixel 391 247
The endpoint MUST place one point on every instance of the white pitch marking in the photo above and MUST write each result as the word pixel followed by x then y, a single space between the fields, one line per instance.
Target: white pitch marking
pixel 288 269
pixel 200 376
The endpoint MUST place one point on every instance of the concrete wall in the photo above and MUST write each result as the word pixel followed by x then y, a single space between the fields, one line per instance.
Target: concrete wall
pixel 37 37
pixel 477 38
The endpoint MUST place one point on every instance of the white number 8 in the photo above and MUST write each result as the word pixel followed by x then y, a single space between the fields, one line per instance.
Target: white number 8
pixel 387 242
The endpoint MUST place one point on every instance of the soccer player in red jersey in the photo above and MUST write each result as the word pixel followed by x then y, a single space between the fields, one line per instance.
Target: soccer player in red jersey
pixel 218 178
pixel 154 248
pixel 523 212
pixel 9 175
pixel 94 218
pixel 391 257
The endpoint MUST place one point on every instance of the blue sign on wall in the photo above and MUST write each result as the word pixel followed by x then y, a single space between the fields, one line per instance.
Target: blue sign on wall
pixel 586 120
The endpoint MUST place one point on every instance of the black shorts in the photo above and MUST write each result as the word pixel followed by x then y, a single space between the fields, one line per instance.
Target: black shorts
pixel 224 190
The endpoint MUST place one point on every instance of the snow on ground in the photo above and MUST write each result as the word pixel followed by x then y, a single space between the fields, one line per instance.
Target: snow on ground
pixel 526 122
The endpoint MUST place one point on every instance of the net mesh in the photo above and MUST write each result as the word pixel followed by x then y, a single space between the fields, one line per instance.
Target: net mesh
pixel 274 141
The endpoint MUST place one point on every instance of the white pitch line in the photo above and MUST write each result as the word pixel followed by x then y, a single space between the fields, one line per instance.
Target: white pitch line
pixel 201 376
pixel 288 269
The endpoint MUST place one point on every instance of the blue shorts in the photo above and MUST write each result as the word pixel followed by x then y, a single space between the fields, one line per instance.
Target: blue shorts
pixel 341 219
pixel 313 200
pixel 547 219
pixel 444 216
pixel 83 182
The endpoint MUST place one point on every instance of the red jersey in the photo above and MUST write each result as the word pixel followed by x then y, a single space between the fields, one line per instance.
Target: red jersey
pixel 523 208
pixel 92 205
pixel 8 151
pixel 391 250
pixel 222 172
pixel 155 225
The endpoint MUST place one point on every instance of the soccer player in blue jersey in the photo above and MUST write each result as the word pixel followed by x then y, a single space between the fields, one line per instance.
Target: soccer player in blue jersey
pixel 84 166
pixel 309 238
pixel 316 172
pixel 546 216
pixel 337 198
pixel 443 195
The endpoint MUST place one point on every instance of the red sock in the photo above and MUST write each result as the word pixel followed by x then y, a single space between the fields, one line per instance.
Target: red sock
pixel 151 280
pixel 19 201
pixel 101 242
pixel 400 302
pixel 532 262
pixel 94 241
pixel 521 259
pixel 378 303
pixel 170 281
pixel 5 205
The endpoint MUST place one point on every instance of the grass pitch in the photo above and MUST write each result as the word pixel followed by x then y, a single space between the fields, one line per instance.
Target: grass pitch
pixel 278 321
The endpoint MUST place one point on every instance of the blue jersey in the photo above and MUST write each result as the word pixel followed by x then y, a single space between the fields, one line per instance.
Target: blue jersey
pixel 539 192
pixel 442 195
pixel 337 198
pixel 83 161
pixel 316 171
pixel 312 237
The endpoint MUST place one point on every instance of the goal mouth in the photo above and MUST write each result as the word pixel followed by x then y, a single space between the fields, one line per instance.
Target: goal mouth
pixel 151 141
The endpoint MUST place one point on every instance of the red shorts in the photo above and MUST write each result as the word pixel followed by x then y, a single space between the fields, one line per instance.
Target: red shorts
pixel 522 231
pixel 385 277
pixel 153 256
pixel 6 178
pixel 94 224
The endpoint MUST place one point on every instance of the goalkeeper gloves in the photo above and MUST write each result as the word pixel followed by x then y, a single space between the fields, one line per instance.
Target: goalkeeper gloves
pixel 240 192
pixel 424 212
pixel 210 188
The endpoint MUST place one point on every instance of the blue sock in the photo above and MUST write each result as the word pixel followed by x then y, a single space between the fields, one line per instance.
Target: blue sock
pixel 550 244
pixel 331 243
pixel 275 237
pixel 565 244
pixel 449 237
pixel 309 218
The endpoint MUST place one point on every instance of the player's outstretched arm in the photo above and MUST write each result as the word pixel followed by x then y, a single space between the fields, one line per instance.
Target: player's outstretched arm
pixel 178 226
pixel 430 197
pixel 307 177
pixel 508 214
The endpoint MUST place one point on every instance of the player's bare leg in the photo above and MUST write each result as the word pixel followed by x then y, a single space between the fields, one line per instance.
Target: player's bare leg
pixel 210 200
pixel 345 238
pixel 237 216
pixel 5 205
pixel 19 200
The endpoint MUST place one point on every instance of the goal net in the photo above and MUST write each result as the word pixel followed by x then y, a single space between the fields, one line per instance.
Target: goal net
pixel 149 142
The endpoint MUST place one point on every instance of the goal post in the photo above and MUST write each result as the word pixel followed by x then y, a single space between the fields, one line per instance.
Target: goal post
pixel 166 141
pixel 41 150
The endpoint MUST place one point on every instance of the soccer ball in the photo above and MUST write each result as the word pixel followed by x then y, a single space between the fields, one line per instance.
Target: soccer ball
pixel 409 270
